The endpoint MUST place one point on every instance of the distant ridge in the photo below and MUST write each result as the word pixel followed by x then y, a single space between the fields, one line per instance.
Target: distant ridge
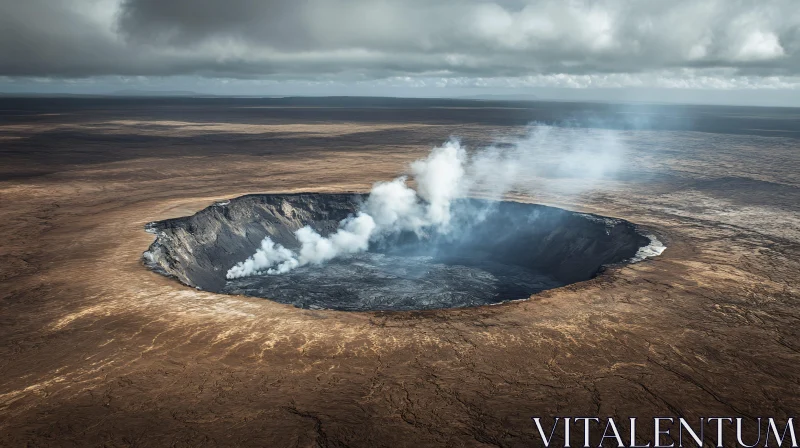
pixel 502 97
pixel 135 92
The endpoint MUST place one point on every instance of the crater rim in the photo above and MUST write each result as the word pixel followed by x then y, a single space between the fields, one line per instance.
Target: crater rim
pixel 170 263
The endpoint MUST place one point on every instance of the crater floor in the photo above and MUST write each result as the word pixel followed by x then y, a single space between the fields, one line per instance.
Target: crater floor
pixel 375 281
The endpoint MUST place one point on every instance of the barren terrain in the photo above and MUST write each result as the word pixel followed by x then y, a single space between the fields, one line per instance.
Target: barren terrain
pixel 97 350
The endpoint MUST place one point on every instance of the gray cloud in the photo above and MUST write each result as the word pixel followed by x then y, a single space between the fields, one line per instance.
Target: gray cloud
pixel 380 39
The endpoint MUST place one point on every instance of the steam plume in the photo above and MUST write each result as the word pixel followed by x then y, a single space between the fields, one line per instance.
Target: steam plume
pixel 579 155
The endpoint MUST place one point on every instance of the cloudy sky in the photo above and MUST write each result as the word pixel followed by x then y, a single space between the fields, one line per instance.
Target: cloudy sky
pixel 733 51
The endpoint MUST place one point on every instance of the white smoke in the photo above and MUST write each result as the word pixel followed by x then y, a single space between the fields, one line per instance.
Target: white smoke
pixel 440 179
pixel 353 236
pixel 269 254
pixel 580 156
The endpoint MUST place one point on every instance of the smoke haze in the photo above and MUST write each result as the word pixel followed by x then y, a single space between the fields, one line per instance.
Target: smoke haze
pixel 574 158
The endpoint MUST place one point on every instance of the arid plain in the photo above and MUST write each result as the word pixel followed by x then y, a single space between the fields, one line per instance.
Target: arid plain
pixel 96 350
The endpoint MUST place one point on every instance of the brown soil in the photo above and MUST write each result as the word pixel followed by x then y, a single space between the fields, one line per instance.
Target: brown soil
pixel 97 350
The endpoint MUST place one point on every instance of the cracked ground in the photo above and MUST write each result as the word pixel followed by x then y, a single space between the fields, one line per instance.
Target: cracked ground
pixel 96 350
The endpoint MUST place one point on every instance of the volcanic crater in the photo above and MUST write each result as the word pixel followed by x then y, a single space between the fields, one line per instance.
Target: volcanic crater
pixel 501 251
